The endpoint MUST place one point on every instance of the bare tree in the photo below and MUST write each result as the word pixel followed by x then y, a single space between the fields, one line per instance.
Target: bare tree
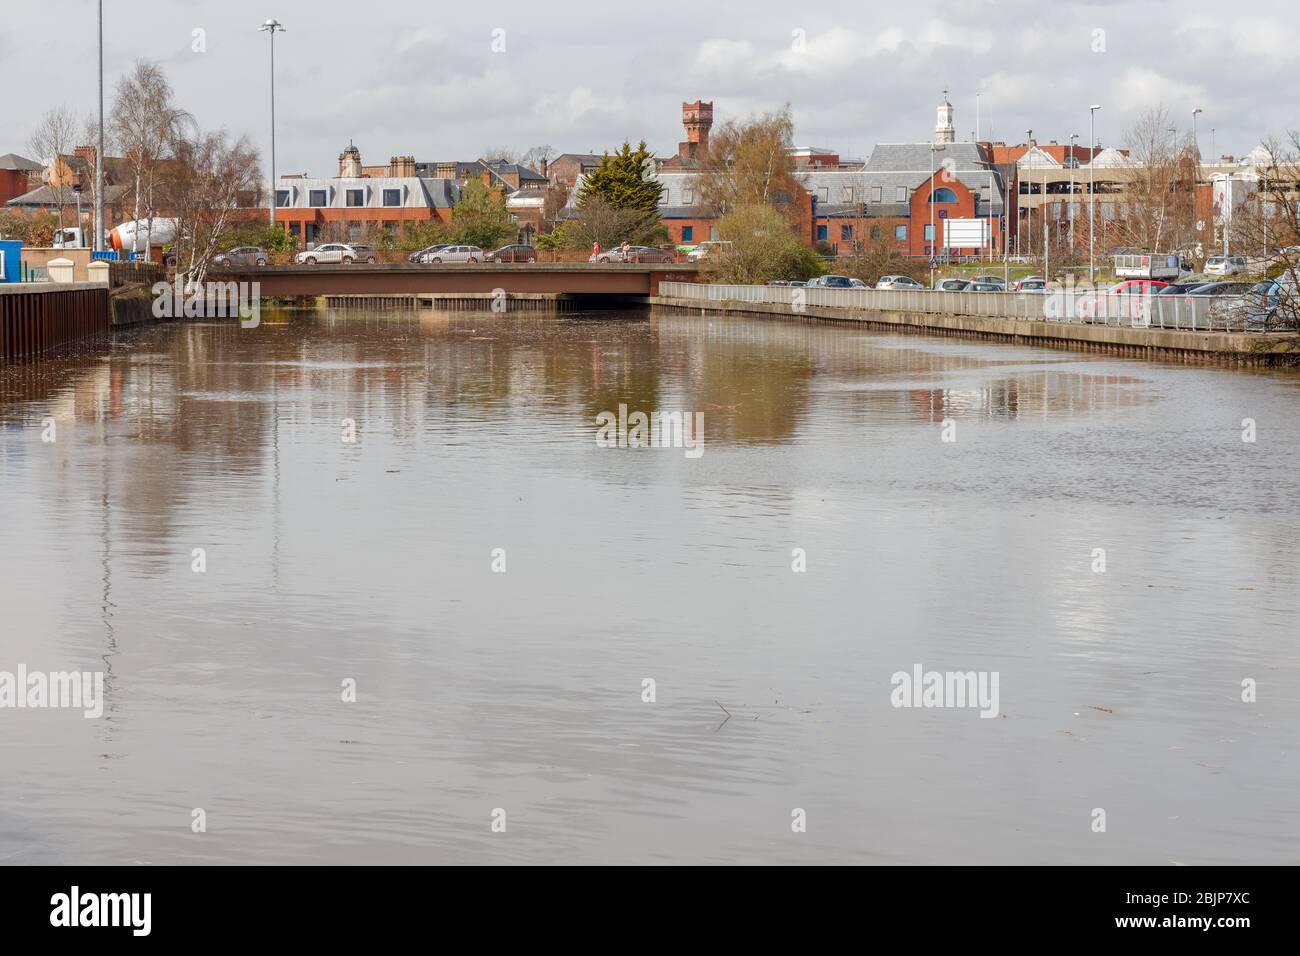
pixel 210 179
pixel 1266 226
pixel 536 156
pixel 144 123
pixel 749 164
pixel 53 138
pixel 1155 211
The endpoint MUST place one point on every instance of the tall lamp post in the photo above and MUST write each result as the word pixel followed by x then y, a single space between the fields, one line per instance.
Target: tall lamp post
pixel 99 150
pixel 933 238
pixel 1074 161
pixel 1092 191
pixel 272 27
pixel 1196 172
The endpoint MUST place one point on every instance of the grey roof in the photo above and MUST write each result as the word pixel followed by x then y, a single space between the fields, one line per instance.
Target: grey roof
pixel 20 163
pixel 524 173
pixel 916 156
pixel 49 196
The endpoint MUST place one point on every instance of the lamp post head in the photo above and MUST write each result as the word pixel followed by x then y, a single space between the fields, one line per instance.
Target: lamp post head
pixel 1197 110
pixel 1094 107
pixel 271 26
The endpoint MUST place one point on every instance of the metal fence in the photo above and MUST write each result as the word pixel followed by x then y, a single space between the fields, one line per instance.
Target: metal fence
pixel 1183 312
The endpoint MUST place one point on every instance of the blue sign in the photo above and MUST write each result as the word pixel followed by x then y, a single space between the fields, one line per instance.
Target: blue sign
pixel 11 260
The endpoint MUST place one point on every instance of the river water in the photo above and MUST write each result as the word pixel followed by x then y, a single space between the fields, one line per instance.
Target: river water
pixel 372 564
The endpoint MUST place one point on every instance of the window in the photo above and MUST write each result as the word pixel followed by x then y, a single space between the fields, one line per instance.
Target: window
pixel 823 193
pixel 846 194
pixel 875 232
pixel 900 234
pixel 282 197
pixel 823 233
pixel 392 197
pixel 928 234
pixel 943 196
pixel 316 198
pixel 356 197
pixel 688 233
pixel 900 194
pixel 875 194
pixel 846 233
pixel 688 196
pixel 663 196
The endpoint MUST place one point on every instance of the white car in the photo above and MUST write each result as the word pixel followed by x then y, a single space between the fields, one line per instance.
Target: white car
pixel 330 252
pixel 898 282
pixel 454 254
pixel 1225 266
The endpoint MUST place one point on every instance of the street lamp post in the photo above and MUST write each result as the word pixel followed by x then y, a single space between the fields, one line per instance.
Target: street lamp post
pixel 272 27
pixel 933 243
pixel 1196 172
pixel 1092 191
pixel 1069 210
pixel 99 150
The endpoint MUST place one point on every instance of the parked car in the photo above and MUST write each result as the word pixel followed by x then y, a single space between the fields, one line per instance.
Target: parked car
pixel 1180 288
pixel 711 247
pixel 454 254
pixel 1270 304
pixel 419 254
pixel 1225 266
pixel 858 284
pixel 633 254
pixel 986 287
pixel 241 258
pixel 1229 287
pixel 988 280
pixel 1031 285
pixel 328 253
pixel 898 282
pixel 831 282
pixel 1123 301
pixel 365 253
pixel 952 285
pixel 519 252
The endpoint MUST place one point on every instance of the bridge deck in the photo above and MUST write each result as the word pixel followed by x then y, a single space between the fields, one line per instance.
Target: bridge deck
pixel 382 278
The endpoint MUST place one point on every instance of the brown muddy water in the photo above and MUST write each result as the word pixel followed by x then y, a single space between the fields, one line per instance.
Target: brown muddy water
pixel 478 690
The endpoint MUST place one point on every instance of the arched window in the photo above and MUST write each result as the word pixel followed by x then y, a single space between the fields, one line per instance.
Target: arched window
pixel 943 195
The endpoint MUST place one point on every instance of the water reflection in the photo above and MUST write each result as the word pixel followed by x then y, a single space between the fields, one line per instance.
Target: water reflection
pixel 371 560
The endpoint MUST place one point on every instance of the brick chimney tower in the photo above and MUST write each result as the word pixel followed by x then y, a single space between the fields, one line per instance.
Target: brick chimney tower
pixel 697 117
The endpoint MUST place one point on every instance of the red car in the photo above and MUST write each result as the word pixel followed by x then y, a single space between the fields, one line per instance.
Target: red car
pixel 515 253
pixel 1124 301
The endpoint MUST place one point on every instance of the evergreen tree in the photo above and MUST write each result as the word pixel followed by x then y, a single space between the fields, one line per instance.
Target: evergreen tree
pixel 620 181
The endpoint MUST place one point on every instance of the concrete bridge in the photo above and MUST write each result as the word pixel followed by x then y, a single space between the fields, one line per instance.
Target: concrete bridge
pixel 545 278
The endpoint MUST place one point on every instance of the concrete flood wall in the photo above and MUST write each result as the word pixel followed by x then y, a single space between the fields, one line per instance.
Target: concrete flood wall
pixel 1220 348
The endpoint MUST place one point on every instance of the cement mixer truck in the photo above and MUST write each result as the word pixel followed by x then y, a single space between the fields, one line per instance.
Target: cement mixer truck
pixel 131 236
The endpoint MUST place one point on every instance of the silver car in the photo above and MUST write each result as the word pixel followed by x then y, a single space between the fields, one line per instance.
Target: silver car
pixel 454 254
pixel 328 253
pixel 240 258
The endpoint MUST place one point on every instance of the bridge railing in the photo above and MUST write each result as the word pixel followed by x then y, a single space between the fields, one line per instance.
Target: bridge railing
pixel 1009 305
pixel 1087 307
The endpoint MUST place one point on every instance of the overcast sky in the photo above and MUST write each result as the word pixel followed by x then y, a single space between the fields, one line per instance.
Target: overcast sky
pixel 401 76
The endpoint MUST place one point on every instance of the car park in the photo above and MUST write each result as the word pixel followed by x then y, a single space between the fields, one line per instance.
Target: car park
pixel 952 285
pixel 241 258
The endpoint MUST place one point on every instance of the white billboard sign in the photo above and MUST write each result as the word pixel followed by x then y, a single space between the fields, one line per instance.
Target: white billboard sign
pixel 966 233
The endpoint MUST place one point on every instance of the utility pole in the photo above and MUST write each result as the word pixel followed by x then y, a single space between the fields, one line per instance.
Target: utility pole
pixel 1092 191
pixel 272 27
pixel 1069 210
pixel 1196 173
pixel 99 149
